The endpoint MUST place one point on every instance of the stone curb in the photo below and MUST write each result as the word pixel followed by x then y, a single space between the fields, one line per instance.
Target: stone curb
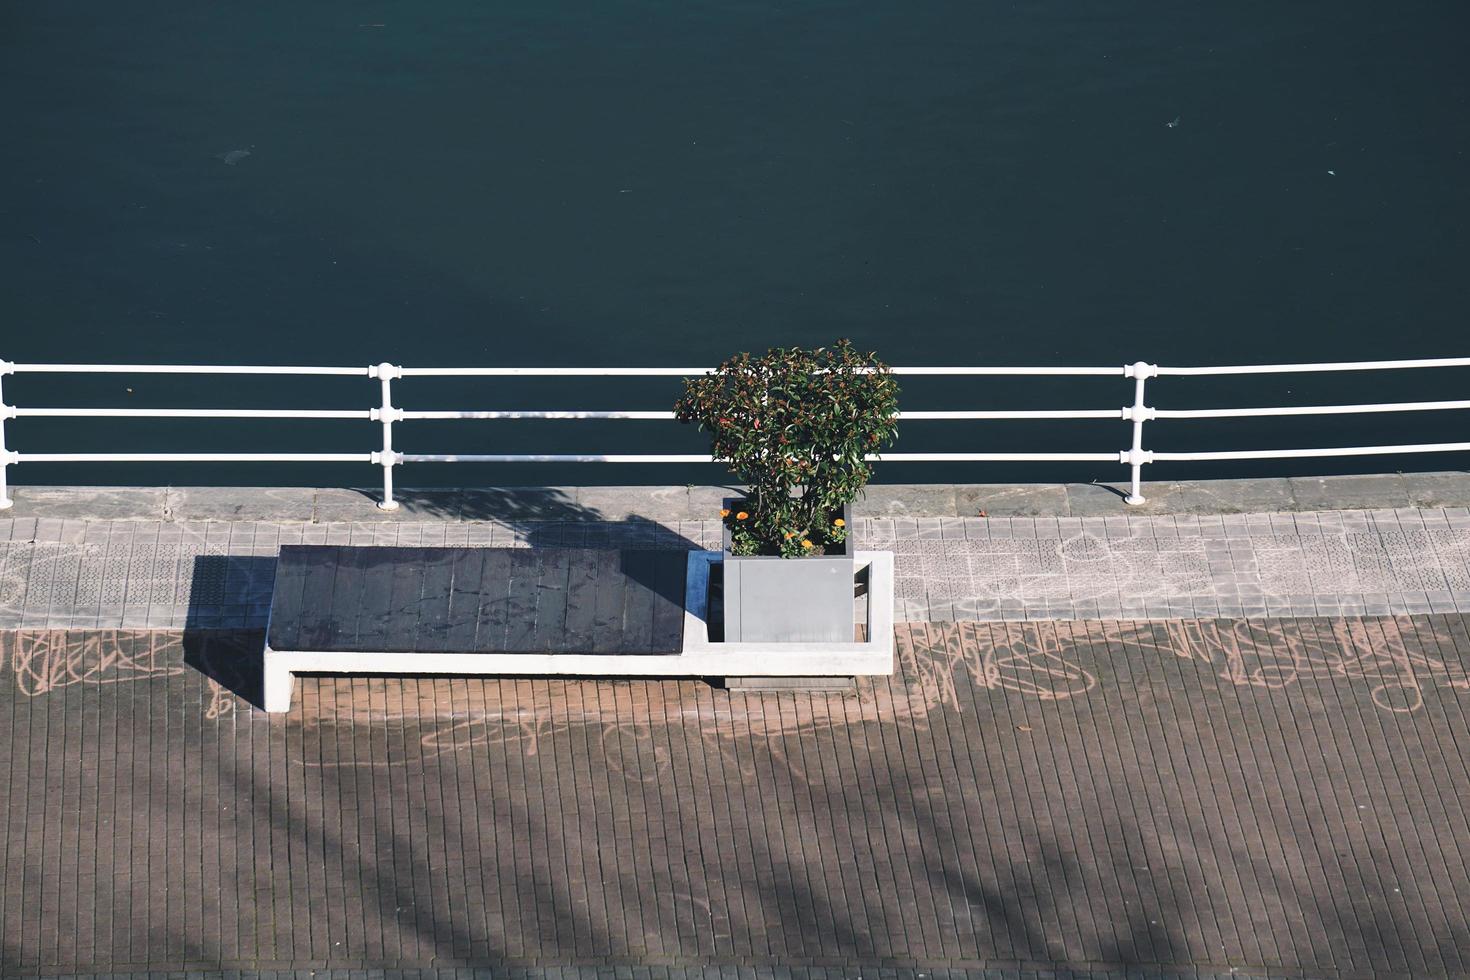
pixel 685 503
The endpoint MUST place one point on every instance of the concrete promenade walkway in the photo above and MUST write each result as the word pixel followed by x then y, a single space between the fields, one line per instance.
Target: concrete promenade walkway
pixel 205 559
pixel 1093 777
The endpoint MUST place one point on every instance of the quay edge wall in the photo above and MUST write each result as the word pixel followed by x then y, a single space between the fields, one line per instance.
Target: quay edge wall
pixel 1386 491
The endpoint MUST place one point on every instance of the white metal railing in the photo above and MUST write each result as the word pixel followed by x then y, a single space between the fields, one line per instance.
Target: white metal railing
pixel 386 413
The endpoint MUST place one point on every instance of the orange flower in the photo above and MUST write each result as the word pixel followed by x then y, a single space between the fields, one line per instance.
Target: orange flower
pixel 724 512
pixel 741 516
pixel 839 523
pixel 790 535
pixel 805 543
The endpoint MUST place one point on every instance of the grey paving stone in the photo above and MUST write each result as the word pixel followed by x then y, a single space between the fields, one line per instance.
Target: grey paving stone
pixel 1434 490
pixel 878 500
pixel 660 503
pixel 1000 500
pixel 278 504
pixel 1096 499
pixel 1350 492
pixel 511 504
pixel 332 506
pixel 704 503
pixel 1236 496
pixel 91 503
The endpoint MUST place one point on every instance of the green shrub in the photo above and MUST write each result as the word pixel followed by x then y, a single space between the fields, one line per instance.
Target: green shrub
pixel 796 426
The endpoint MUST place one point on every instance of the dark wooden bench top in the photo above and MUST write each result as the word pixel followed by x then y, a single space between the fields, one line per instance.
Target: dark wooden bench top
pixel 477 600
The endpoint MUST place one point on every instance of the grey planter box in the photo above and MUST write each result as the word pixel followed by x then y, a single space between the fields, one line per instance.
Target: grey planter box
pixel 790 600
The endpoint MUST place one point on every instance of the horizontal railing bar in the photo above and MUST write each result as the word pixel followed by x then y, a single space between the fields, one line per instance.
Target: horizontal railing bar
pixel 953 371
pixel 541 372
pixel 195 457
pixel 1109 413
pixel 511 372
pixel 1087 413
pixel 1226 413
pixel 553 458
pixel 680 458
pixel 1105 413
pixel 521 457
pixel 361 372
pixel 1102 372
pixel 1431 362
pixel 1435 447
pixel 700 458
pixel 996 457
pixel 574 414
pixel 192 413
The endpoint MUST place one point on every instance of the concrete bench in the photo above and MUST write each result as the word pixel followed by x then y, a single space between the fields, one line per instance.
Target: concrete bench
pixel 529 611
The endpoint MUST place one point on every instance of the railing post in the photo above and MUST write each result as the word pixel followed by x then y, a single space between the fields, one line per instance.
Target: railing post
pixel 1136 456
pixel 6 456
pixel 387 414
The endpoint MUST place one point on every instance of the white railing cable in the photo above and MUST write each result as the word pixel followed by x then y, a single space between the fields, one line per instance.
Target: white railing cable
pixel 191 413
pixel 386 413
pixel 551 372
pixel 706 458
pixel 555 458
pixel 186 369
pixel 374 414
pixel 1430 362
pixel 1433 447
pixel 194 457
pixel 1242 413
pixel 995 457
pixel 1020 372
pixel 519 415
pixel 616 372
pixel 1100 413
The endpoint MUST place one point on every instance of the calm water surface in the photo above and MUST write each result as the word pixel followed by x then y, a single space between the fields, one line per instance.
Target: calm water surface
pixel 664 183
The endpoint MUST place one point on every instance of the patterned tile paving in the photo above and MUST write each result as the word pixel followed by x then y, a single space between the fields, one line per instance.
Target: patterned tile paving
pixel 1050 799
pixel 147 573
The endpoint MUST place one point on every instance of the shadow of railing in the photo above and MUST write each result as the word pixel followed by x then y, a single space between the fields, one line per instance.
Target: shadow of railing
pixel 506 505
pixel 628 534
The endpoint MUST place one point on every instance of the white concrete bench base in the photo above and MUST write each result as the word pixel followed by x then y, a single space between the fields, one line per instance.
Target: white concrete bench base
pixel 699 657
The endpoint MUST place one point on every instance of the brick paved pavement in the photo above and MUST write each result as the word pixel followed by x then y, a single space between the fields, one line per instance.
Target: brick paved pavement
pixel 1202 795
pixel 75 573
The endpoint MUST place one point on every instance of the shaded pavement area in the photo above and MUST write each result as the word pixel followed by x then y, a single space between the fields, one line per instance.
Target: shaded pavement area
pixel 1187 795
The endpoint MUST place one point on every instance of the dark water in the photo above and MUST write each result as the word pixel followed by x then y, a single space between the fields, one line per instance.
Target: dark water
pixel 664 183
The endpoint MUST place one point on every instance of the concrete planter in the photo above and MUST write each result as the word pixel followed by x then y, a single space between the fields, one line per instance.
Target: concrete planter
pixel 790 600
